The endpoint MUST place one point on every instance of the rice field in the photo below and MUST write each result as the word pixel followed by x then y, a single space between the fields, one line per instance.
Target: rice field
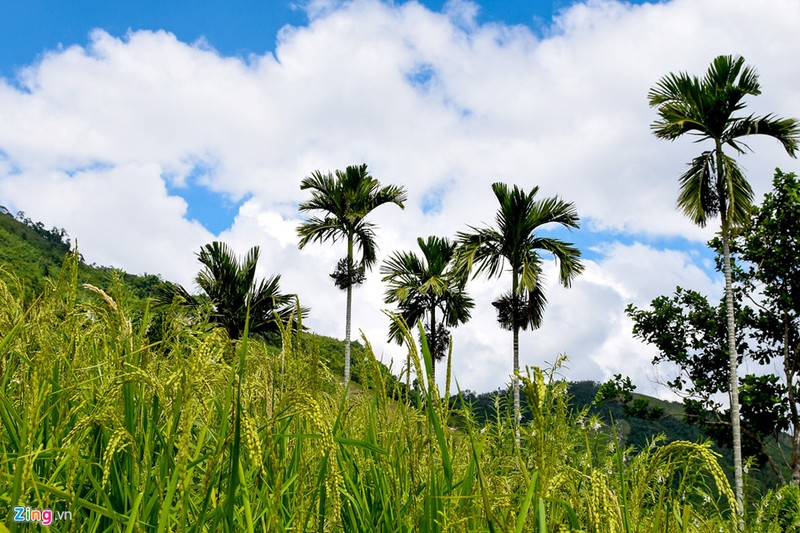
pixel 102 429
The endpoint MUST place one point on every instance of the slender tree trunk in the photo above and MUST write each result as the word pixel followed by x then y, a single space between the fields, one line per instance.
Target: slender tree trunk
pixel 789 369
pixel 515 328
pixel 449 373
pixel 734 378
pixel 433 351
pixel 733 358
pixel 347 336
pixel 349 310
pixel 517 414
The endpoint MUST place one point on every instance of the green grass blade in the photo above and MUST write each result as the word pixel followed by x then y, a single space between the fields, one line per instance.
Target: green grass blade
pixel 525 505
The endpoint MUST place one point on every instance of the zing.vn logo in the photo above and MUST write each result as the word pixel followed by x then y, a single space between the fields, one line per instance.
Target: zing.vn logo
pixel 44 517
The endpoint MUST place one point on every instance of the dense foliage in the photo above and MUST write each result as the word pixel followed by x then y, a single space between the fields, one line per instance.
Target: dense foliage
pixel 33 254
pixel 233 295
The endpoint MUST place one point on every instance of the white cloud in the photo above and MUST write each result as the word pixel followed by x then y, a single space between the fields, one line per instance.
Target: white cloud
pixel 94 130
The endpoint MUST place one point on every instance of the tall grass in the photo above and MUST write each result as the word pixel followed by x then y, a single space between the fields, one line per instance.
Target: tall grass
pixel 196 433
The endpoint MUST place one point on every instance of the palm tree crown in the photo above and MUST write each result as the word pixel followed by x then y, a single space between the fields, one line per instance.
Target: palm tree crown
pixel 231 288
pixel 421 286
pixel 344 200
pixel 516 240
pixel 706 108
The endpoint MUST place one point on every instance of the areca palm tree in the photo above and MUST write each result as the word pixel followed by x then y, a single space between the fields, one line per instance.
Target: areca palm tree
pixel 714 184
pixel 230 286
pixel 515 240
pixel 421 286
pixel 345 199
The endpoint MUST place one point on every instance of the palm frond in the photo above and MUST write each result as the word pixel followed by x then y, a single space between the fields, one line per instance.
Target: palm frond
pixel 479 251
pixel 167 293
pixel 566 255
pixel 364 239
pixel 784 130
pixel 729 74
pixel 738 192
pixel 553 210
pixel 698 198
pixel 318 229
pixel 678 98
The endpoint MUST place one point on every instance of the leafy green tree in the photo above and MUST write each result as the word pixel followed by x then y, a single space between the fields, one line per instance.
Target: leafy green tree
pixel 691 336
pixel 770 249
pixel 345 199
pixel 421 286
pixel 230 286
pixel 714 184
pixel 620 390
pixel 515 240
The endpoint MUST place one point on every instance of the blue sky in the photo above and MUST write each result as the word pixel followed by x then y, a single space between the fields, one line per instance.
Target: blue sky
pixel 146 144
pixel 240 27
pixel 234 28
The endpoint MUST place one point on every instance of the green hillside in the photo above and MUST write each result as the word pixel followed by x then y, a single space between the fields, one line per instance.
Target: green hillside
pixel 31 254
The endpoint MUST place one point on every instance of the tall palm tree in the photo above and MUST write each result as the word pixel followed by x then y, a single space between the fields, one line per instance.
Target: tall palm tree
pixel 345 199
pixel 421 286
pixel 229 284
pixel 714 184
pixel 515 240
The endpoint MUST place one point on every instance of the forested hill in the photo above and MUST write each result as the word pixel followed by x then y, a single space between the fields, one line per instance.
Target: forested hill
pixel 31 253
pixel 636 427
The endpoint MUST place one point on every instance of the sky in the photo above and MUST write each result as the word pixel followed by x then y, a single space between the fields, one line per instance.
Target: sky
pixel 147 129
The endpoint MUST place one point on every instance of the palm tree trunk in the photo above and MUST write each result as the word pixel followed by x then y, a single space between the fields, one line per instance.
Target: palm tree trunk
pixel 348 314
pixel 347 336
pixel 433 352
pixel 515 382
pixel 734 378
pixel 733 359
pixel 515 328
pixel 449 373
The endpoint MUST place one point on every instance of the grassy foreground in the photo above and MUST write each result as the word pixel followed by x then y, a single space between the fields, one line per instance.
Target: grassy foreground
pixel 109 432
